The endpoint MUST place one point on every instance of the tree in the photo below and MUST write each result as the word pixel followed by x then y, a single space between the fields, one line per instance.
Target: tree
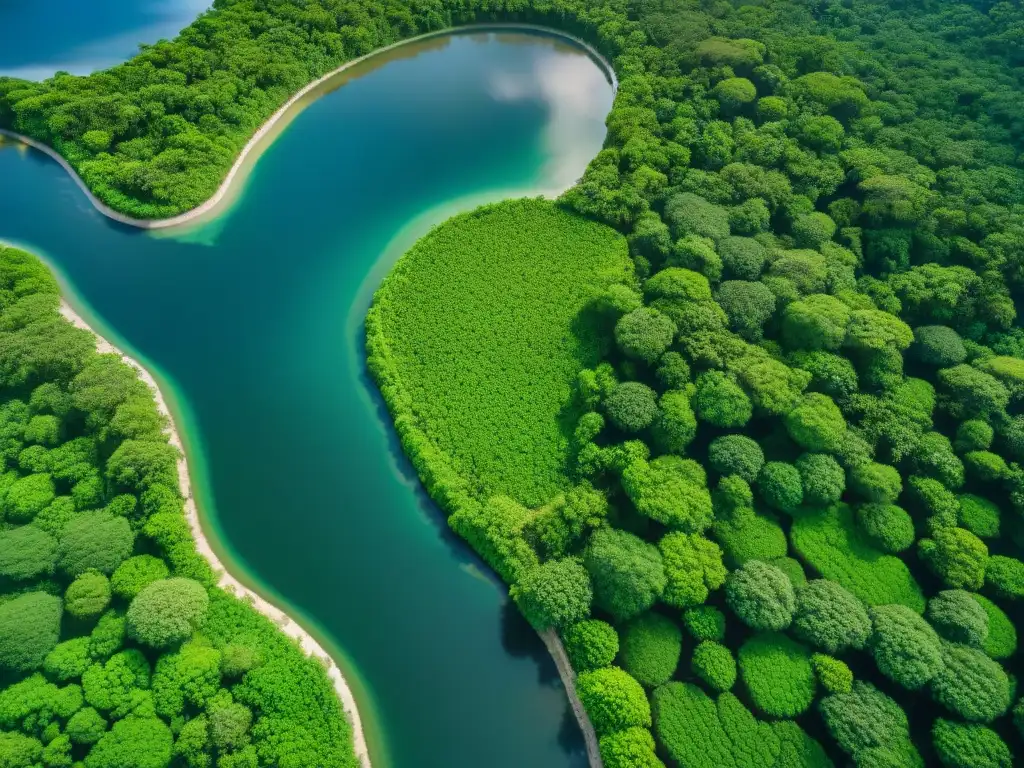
pixel 627 573
pixel 677 283
pixel 650 648
pixel 88 595
pixel 693 568
pixel 778 674
pixel 705 622
pixel 979 516
pixel 720 401
pixel 816 423
pixel 973 435
pixel 736 455
pixel 166 612
pixel 591 644
pixel 29 629
pixel 761 596
pixel 671 490
pixel 614 700
pixel 748 305
pixel 632 406
pixel 17 749
pixel 822 478
pixel 734 93
pixel 970 684
pixel 967 745
pixel 135 742
pixel 26 552
pixel 956 556
pixel 816 322
pixel 742 257
pixel 190 677
pixel 27 497
pixel 938 345
pixel 905 647
pixel 1003 574
pixel 644 333
pixel 866 719
pixel 137 465
pixel 713 663
pixel 933 456
pixel 673 371
pixel 874 330
pixel 966 392
pixel 631 748
pixel 958 617
pixel 889 527
pixel 94 541
pixel 875 482
pixel 829 617
pixel 812 230
pixel 135 573
pixel 676 426
pixel 86 726
pixel 687 214
pixel 833 675
pixel 780 486
pixel 554 594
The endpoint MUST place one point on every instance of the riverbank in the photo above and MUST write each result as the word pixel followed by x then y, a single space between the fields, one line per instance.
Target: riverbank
pixel 226 581
pixel 565 671
pixel 253 146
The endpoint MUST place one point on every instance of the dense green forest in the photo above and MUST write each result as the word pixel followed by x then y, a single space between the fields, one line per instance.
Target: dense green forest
pixel 117 650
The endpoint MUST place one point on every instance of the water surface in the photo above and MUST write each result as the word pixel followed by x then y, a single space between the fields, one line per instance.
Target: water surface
pixel 254 321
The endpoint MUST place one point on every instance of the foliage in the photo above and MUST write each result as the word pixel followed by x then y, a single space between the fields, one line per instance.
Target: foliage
pixel 693 568
pixel 713 663
pixel 627 573
pixel 591 644
pixel 94 541
pixel 135 573
pixel 644 333
pixel 761 596
pixel 671 491
pixel 906 648
pixel 866 720
pixel 888 527
pixel 970 684
pixel 833 674
pixel 956 556
pixel 88 595
pixel 1005 575
pixel 736 455
pixel 166 612
pixel 777 673
pixel 705 622
pixel 613 699
pixel 29 628
pixel 632 406
pixel 822 478
pixel 554 594
pixel 26 552
pixel 958 617
pixel 829 617
pixel 781 486
pixel 650 648
pixel 1001 640
pixel 979 516
pixel 968 745
pixel 629 748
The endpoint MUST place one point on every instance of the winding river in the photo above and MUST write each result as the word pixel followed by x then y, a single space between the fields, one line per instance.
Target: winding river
pixel 253 321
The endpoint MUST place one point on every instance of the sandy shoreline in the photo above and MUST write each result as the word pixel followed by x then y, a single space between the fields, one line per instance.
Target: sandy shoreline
pixel 225 186
pixel 226 581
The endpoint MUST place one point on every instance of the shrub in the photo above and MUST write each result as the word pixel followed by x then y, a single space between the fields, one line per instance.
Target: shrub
pixel 742 257
pixel 135 742
pixel 644 333
pixel 828 542
pixel 1004 574
pixel 705 622
pixel 736 455
pixel 591 644
pixel 747 305
pixel 554 594
pixel 815 322
pixel 970 684
pixel 632 406
pixel 135 573
pixel 720 401
pixel 86 726
pixel 26 552
pixel 906 648
pixel 761 596
pixel 966 392
pixel 693 568
pixel 939 346
pixel 68 660
pixel 778 674
pixel 829 617
pixel 833 674
pixel 166 612
pixel 88 595
pixel 17 750
pixel 866 719
pixel 676 426
pixel 791 567
pixel 673 371
pixel 746 536
pixel 631 748
pixel 876 482
pixel 495 531
pixel 614 700
pixel 979 516
pixel 1001 641
pixel 671 490
pixel 816 423
pixel 956 556
pixel 967 745
pixel 780 486
pixel 627 573
pixel 973 435
pixel 687 213
pixel 713 663
pixel 28 497
pixel 958 617
pixel 94 541
pixel 986 467
pixel 889 527
pixel 29 629
pixel 696 730
pixel 822 478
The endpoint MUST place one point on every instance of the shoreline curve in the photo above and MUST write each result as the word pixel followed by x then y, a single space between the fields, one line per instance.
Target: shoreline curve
pixel 226 581
pixel 282 112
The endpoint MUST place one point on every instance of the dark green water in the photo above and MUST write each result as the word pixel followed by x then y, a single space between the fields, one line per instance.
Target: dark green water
pixel 254 321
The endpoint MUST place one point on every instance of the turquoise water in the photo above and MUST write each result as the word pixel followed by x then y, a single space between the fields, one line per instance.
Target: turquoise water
pixel 254 321
pixel 41 37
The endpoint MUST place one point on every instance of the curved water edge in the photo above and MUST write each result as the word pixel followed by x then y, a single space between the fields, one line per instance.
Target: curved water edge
pixel 287 112
pixel 226 580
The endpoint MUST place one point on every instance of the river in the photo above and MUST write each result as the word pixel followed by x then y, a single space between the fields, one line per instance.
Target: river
pixel 253 321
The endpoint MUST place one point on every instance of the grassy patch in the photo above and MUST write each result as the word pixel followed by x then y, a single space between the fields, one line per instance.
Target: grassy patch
pixel 476 336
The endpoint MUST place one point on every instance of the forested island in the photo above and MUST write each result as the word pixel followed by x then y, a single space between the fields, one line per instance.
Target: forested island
pixel 763 477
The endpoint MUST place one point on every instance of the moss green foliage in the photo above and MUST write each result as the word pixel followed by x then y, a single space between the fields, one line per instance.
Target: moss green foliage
pixel 644 333
pixel 979 516
pixel 591 644
pixel 627 573
pixel 957 556
pixel 970 684
pixel 1001 639
pixel 958 617
pixel 671 491
pixel 1005 575
pixel 693 568
pixel 746 536
pixel 829 617
pixel 816 423
pixel 736 455
pixel 106 575
pixel 650 648
pixel 828 541
pixel 906 648
pixel 632 406
pixel 968 745
pixel 629 748
pixel 705 622
pixel 761 596
pixel 720 401
pixel 713 663
pixel 778 675
pixel 890 528
pixel 614 700
pixel 833 675
pixel 780 486
pixel 869 726
pixel 495 530
pixel 554 594
pixel 822 478
pixel 517 358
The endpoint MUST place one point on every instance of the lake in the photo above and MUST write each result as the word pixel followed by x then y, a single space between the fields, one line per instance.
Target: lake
pixel 254 322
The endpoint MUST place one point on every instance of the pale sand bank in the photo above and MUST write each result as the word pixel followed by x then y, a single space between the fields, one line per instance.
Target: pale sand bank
pixel 237 169
pixel 226 581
